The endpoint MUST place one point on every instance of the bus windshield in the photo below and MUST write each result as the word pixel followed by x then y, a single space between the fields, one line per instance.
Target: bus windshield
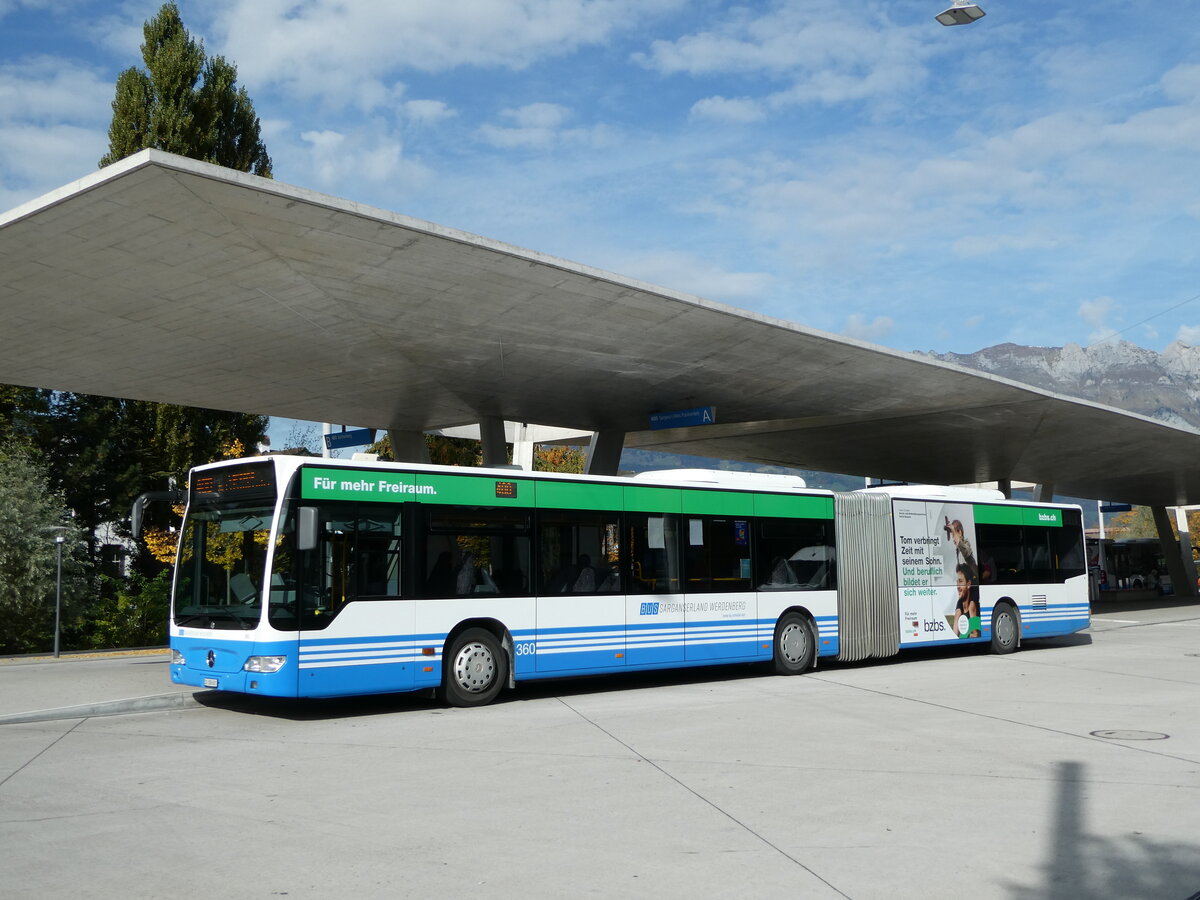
pixel 222 557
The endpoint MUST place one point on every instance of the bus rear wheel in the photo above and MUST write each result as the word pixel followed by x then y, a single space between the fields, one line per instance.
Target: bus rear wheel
pixel 794 645
pixel 1006 629
pixel 475 669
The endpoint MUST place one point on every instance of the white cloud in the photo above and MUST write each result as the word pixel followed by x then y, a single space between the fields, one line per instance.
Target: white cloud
pixel 428 111
pixel 1182 83
pixel 35 159
pixel 1188 334
pixel 323 48
pixel 54 116
pixel 539 126
pixel 52 89
pixel 875 330
pixel 740 110
pixel 827 56
pixel 1096 312
pixel 983 244
pixel 357 163
pixel 692 274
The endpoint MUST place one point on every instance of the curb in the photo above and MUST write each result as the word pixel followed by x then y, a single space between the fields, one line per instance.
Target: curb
pixel 178 700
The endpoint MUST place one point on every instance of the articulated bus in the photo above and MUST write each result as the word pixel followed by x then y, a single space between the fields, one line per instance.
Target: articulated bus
pixel 300 577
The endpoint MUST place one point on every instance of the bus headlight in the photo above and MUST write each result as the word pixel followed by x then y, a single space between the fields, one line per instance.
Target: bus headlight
pixel 177 658
pixel 266 664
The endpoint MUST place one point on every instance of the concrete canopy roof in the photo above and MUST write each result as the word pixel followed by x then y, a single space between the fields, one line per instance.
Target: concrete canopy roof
pixel 162 278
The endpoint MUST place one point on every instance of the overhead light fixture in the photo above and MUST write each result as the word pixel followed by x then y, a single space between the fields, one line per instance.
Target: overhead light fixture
pixel 963 12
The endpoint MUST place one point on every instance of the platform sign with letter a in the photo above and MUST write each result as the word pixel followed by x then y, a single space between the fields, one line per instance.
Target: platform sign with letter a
pixel 684 418
pixel 358 437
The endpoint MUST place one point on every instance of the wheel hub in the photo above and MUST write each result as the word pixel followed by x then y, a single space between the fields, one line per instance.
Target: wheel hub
pixel 474 668
pixel 793 643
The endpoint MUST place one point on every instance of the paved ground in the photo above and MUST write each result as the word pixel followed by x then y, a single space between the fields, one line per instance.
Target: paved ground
pixel 1068 770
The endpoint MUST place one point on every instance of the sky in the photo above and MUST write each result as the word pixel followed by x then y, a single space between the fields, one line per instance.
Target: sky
pixel 852 166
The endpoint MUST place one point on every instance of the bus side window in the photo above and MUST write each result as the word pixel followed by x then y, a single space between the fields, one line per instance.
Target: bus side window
pixel 1001 554
pixel 579 552
pixel 795 555
pixel 469 551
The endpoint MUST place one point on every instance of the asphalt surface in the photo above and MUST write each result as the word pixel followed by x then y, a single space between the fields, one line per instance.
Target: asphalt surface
pixel 1068 770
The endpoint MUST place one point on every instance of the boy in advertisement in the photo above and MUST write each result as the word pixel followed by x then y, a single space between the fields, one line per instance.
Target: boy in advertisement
pixel 965 621
pixel 960 559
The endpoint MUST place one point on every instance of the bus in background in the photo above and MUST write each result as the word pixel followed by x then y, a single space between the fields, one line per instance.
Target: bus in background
pixel 315 578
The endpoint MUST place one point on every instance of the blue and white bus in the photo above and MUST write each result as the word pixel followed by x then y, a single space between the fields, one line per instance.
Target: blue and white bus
pixel 299 577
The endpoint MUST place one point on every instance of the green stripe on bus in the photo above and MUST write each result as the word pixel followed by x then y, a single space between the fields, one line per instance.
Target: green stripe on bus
pixel 474 490
pixel 986 514
pixel 565 495
pixel 318 483
pixel 783 506
pixel 652 499
pixel 1051 518
pixel 718 503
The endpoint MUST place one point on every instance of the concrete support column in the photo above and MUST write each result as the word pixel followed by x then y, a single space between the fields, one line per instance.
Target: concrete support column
pixel 1004 486
pixel 408 446
pixel 522 452
pixel 491 435
pixel 1043 493
pixel 604 453
pixel 1185 547
pixel 1170 550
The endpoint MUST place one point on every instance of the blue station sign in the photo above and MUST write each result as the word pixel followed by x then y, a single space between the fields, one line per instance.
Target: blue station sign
pixel 684 418
pixel 357 437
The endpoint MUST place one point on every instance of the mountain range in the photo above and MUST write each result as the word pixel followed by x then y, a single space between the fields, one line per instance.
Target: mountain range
pixel 1163 386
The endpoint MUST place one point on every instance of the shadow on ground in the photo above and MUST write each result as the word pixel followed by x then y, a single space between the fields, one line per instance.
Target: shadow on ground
pixel 1080 864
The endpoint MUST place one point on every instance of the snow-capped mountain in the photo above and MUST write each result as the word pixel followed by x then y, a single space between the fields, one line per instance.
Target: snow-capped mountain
pixel 1165 386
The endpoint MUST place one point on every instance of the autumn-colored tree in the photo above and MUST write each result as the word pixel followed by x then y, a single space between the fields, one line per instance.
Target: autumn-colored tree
pixel 1139 523
pixel 559 459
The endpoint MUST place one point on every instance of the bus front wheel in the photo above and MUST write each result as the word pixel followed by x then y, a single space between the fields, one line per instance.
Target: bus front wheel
pixel 475 669
pixel 1006 629
pixel 794 645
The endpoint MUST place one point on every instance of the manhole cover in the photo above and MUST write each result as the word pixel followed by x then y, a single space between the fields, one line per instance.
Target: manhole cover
pixel 1118 734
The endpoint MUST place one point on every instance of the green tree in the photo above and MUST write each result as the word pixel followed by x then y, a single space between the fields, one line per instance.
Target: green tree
pixel 24 415
pixel 184 102
pixel 31 516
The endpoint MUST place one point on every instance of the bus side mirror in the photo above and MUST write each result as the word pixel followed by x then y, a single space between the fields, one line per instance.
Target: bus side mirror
pixel 137 516
pixel 306 528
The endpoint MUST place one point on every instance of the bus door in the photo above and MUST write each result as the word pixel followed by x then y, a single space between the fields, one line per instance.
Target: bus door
pixel 654 607
pixel 356 632
pixel 721 609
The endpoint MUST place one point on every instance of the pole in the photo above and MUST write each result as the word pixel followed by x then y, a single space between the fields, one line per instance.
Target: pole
pixel 58 540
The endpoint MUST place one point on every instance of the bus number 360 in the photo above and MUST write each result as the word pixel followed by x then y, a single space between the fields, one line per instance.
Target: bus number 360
pixel 527 649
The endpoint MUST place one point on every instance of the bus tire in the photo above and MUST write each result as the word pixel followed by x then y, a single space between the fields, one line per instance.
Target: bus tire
pixel 476 668
pixel 1006 628
pixel 795 647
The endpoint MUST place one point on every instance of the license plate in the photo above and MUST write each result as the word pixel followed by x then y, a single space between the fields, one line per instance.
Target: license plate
pixel 210 682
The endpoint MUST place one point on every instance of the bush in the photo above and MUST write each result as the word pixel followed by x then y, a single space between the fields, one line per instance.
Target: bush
pixel 135 615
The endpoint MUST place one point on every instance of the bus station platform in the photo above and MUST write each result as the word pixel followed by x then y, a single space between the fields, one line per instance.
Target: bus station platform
pixel 1069 769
